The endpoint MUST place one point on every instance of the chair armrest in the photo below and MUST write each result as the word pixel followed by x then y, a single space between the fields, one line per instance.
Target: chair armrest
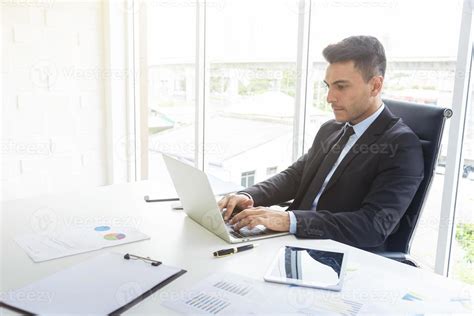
pixel 400 257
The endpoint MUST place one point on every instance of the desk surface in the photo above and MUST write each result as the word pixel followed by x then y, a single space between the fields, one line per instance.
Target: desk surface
pixel 179 241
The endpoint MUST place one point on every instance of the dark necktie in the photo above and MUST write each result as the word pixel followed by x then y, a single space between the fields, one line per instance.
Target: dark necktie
pixel 325 167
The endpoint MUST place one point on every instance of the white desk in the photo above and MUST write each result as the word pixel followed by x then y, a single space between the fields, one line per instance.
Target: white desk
pixel 178 241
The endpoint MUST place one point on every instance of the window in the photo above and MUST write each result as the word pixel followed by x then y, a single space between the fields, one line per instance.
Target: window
pixel 461 265
pixel 271 171
pixel 170 68
pixel 418 73
pixel 250 104
pixel 251 77
pixel 247 178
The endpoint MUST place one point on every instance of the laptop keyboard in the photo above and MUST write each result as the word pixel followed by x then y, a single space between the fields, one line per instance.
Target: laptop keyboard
pixel 235 234
pixel 246 232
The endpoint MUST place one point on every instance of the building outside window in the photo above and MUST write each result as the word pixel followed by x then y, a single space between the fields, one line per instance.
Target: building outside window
pixel 271 171
pixel 247 179
pixel 250 88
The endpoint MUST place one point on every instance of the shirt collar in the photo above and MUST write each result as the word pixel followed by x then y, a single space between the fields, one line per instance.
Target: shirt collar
pixel 361 127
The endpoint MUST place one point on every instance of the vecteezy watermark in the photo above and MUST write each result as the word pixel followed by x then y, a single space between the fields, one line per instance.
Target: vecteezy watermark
pixel 28 3
pixel 27 296
pixel 385 221
pixel 124 147
pixel 186 149
pixel 304 299
pixel 184 295
pixel 10 146
pixel 127 292
pixel 210 4
pixel 211 221
pixel 356 4
pixel 44 74
pixel 73 72
pixel 385 149
pixel 44 221
pixel 180 149
pixel 249 74
pixel 126 221
pixel 385 296
pixel 299 7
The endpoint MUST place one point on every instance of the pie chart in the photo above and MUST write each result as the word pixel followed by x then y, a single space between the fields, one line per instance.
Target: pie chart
pixel 114 236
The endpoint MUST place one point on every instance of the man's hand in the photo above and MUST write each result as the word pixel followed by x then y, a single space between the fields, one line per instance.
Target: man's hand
pixel 271 219
pixel 231 201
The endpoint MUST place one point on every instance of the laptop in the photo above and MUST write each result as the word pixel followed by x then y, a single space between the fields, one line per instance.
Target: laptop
pixel 199 203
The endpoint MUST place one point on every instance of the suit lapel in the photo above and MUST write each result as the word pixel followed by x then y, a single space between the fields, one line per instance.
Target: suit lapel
pixel 369 137
pixel 322 149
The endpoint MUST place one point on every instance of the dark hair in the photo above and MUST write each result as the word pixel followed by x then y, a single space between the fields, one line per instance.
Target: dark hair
pixel 367 53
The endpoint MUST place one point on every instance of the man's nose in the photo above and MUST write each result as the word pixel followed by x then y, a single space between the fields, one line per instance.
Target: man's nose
pixel 330 97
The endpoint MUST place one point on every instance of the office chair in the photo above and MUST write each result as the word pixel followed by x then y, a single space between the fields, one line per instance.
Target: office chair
pixel 427 121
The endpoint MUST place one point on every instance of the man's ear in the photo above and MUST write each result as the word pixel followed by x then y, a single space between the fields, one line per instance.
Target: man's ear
pixel 377 84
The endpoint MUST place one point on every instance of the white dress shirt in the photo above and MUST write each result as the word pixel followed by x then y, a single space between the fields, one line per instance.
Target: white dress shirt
pixel 359 130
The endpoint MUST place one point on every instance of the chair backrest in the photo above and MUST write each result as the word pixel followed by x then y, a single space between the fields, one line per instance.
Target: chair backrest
pixel 427 121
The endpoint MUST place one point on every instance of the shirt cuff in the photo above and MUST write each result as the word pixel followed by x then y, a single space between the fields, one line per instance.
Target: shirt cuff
pixel 246 194
pixel 292 222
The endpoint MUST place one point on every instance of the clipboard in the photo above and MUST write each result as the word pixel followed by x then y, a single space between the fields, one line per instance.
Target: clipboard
pixel 106 284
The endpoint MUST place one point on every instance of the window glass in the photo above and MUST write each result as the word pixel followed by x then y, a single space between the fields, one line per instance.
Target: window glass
pixel 421 57
pixel 250 103
pixel 247 178
pixel 461 265
pixel 171 80
pixel 271 171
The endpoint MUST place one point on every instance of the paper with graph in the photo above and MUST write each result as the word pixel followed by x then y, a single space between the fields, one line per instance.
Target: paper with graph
pixel 229 293
pixel 73 240
pixel 221 294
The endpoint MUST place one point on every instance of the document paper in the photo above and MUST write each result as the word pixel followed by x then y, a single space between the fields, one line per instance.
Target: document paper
pixel 74 240
pixel 224 294
pixel 98 286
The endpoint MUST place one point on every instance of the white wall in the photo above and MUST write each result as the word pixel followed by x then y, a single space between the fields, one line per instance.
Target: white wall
pixel 53 108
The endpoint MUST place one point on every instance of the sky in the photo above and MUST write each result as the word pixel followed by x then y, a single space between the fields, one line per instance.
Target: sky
pixel 266 30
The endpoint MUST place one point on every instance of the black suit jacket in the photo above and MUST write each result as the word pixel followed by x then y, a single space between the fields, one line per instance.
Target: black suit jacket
pixel 368 193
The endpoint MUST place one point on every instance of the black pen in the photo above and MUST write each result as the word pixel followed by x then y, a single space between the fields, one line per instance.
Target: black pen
pixel 231 251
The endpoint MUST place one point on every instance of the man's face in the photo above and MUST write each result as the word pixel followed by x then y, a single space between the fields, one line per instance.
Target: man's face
pixel 351 98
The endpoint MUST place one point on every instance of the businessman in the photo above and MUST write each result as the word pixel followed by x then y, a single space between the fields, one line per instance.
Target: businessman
pixel 362 171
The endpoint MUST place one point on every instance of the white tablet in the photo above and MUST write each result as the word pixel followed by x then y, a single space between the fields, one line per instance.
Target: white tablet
pixel 319 268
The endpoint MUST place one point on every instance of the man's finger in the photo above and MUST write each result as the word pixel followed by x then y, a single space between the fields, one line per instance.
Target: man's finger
pixel 222 202
pixel 245 213
pixel 248 204
pixel 244 222
pixel 232 201
pixel 254 221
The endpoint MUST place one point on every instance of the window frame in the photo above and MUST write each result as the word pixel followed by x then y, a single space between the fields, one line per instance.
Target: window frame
pixel 302 97
pixel 246 176
pixel 446 230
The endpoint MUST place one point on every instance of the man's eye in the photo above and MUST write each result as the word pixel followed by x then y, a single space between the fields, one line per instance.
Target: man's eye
pixel 340 87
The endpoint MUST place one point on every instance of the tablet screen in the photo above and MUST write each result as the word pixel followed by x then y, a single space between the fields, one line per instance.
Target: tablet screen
pixel 307 267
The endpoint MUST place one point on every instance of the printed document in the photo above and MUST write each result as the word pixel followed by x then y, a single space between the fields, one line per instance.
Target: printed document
pixel 74 240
